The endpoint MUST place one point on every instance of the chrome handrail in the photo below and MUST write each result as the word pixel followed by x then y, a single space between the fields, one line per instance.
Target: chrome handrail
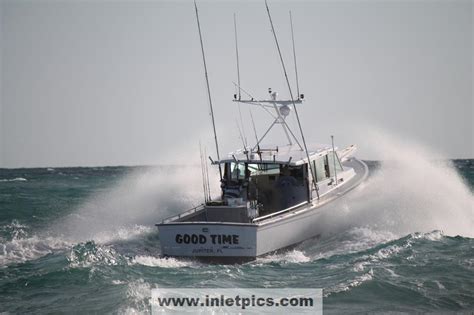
pixel 182 214
pixel 279 212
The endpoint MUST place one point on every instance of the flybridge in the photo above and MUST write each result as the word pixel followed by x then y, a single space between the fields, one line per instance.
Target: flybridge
pixel 290 155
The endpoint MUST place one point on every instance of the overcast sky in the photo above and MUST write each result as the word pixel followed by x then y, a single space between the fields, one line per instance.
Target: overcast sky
pixel 120 83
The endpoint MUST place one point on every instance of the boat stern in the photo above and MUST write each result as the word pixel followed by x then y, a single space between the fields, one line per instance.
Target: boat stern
pixel 208 240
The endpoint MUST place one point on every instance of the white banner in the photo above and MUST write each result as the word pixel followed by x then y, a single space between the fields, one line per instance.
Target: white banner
pixel 236 301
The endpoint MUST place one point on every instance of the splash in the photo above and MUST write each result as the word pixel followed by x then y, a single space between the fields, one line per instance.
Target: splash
pixel 84 255
pixel 21 247
pixel 124 212
pixel 132 207
pixel 412 191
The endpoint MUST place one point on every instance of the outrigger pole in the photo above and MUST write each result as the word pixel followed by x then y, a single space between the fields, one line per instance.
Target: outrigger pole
pixel 208 90
pixel 294 57
pixel 292 98
pixel 237 56
pixel 238 81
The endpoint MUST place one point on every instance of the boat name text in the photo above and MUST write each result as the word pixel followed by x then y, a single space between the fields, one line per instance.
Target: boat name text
pixel 231 239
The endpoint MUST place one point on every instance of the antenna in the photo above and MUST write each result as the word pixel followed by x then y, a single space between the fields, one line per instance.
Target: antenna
pixel 208 89
pixel 203 173
pixel 241 136
pixel 207 176
pixel 334 158
pixel 253 125
pixel 238 81
pixel 237 54
pixel 294 57
pixel 292 99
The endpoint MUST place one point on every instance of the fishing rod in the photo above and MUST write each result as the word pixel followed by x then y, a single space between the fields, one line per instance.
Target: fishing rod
pixel 208 90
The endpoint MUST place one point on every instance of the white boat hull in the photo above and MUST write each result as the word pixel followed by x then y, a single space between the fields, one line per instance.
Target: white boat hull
pixel 208 239
pixel 246 241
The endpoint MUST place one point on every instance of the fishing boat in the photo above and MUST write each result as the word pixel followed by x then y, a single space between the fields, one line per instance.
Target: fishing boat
pixel 271 196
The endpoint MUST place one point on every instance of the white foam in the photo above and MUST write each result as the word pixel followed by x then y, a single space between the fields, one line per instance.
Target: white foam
pixel 392 273
pixel 19 250
pixel 87 255
pixel 293 256
pixel 440 285
pixel 349 284
pixel 168 262
pixel 432 236
pixel 18 179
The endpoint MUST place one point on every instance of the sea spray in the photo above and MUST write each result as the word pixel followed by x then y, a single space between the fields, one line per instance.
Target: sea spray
pixel 410 192
pixel 133 205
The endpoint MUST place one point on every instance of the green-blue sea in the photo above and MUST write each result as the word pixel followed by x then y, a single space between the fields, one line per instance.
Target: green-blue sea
pixel 83 240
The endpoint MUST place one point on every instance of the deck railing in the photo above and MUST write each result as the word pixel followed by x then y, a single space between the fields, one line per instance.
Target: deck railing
pixel 279 212
pixel 201 206
pixel 183 214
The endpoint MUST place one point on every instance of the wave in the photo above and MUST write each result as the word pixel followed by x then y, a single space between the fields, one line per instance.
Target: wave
pixel 393 262
pixel 20 250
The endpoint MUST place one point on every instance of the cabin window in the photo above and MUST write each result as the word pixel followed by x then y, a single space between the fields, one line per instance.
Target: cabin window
pixel 319 168
pixel 263 169
pixel 277 186
pixel 330 161
pixel 237 171
pixel 324 166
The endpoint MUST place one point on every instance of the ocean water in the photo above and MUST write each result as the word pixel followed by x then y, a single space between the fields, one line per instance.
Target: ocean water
pixel 83 239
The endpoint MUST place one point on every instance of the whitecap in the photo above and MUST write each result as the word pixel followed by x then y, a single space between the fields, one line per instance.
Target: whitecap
pixel 294 256
pixel 440 285
pixel 391 272
pixel 432 236
pixel 18 179
pixel 89 254
pixel 162 262
pixel 349 284
pixel 19 250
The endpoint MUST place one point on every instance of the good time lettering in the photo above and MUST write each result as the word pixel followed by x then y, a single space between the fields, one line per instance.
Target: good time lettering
pixel 221 239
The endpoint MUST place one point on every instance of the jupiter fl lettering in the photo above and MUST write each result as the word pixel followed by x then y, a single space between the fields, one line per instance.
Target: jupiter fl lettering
pixel 221 239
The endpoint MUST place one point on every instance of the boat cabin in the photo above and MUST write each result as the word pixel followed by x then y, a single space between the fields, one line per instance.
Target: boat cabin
pixel 258 184
pixel 266 187
pixel 272 180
